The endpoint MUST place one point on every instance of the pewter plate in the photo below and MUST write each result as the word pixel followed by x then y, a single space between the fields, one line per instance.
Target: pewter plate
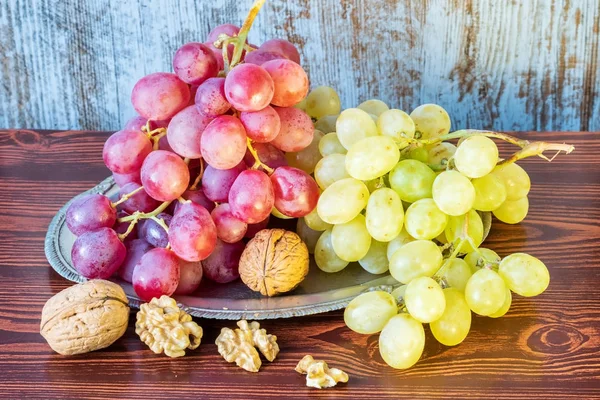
pixel 319 292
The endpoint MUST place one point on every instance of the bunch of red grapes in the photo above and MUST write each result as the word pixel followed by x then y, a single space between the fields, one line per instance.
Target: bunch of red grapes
pixel 199 170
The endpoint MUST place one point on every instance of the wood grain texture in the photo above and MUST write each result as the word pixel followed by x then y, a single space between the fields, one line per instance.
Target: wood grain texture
pixel 524 65
pixel 546 347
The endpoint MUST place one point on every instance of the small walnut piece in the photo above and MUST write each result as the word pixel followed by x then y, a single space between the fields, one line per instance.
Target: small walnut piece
pixel 85 317
pixel 275 261
pixel 165 328
pixel 318 374
pixel 239 345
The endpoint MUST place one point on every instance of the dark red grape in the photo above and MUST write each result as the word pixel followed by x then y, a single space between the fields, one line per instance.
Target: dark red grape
pixel 216 183
pixel 192 233
pixel 164 175
pixel 89 213
pixel 98 254
pixel 251 196
pixel 194 63
pixel 230 229
pixel 125 151
pixel 253 229
pixel 296 192
pixel 196 196
pixel 190 275
pixel 268 154
pixel 135 250
pixel 163 144
pixel 248 87
pixel 140 201
pixel 156 274
pixel 121 227
pixel 222 265
pixel 159 96
pixel 152 232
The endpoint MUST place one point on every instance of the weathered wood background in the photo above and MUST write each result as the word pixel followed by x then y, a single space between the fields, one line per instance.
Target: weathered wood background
pixel 506 65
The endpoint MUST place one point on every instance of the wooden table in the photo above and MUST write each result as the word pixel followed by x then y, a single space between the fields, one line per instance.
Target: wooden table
pixel 546 347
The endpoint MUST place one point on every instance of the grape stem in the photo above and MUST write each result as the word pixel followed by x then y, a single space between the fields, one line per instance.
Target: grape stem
pixel 440 272
pixel 257 162
pixel 123 235
pixel 161 222
pixel 136 216
pixel 160 132
pixel 126 197
pixel 199 177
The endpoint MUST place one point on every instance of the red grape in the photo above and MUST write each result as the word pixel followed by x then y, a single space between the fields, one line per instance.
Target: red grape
pixel 89 213
pixel 194 63
pixel 222 265
pixel 152 232
pixel 160 96
pixel 283 47
pixel 185 130
pixel 98 254
pixel 135 124
pixel 253 229
pixel 290 80
pixel 228 29
pixel 164 175
pixel 192 233
pixel 229 228
pixel 248 87
pixel 163 123
pixel 296 193
pixel 296 131
pixel 125 151
pixel 259 57
pixel 124 179
pixel 135 250
pixel 140 201
pixel 268 154
pixel 156 274
pixel 196 196
pixel 223 142
pixel 193 91
pixel 190 275
pixel 216 183
pixel 251 196
pixel 163 144
pixel 210 98
pixel 218 53
pixel 261 126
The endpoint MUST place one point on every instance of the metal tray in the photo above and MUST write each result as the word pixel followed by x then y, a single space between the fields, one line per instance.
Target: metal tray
pixel 319 292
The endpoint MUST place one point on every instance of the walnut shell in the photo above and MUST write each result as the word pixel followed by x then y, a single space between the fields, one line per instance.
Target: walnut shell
pixel 85 317
pixel 275 261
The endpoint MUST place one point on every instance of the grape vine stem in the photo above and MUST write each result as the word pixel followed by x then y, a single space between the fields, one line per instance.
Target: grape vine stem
pixel 199 177
pixel 126 197
pixel 257 162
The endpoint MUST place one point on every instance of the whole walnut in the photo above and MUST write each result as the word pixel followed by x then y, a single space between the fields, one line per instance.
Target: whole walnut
pixel 275 261
pixel 85 317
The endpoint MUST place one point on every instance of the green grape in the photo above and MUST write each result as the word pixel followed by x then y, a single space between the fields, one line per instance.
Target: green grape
pixel 342 201
pixel 424 299
pixel 326 124
pixel 441 153
pixel 351 240
pixel 353 125
pixel 330 169
pixel 330 144
pixel 478 259
pixel 485 292
pixel 524 274
pixel 314 222
pixel 504 309
pixel 454 324
pixel 373 106
pixel 301 105
pixel 453 193
pixel 276 213
pixel 431 121
pixel 457 273
pixel 308 236
pixel 376 262
pixel 476 156
pixel 419 153
pixel 373 185
pixel 385 214
pixel 490 192
pixel 424 220
pixel 402 341
pixel 372 157
pixel 456 230
pixel 397 242
pixel 415 259
pixel 307 158
pixel 398 293
pixel 369 312
pixel 412 180
pixel 512 212
pixel 515 179
pixel 373 117
pixel 397 125
pixel 325 256
pixel 322 101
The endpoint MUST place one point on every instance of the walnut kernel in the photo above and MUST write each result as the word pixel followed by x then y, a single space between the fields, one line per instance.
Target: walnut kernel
pixel 318 374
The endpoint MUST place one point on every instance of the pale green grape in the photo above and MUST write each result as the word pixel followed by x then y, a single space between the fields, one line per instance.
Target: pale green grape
pixel 455 229
pixel 512 212
pixel 353 125
pixel 385 214
pixel 505 307
pixel 415 259
pixel 454 324
pixel 476 156
pixel 442 238
pixel 376 262
pixel 373 106
pixel 524 274
pixel 453 193
pixel 457 273
pixel 372 157
pixel 326 124
pixel 373 185
pixel 307 158
pixel 301 105
pixel 397 125
pixel 418 153
pixel 478 259
pixel 330 169
pixel 342 201
pixel 441 153
pixel 322 101
pixel 401 341
pixel 276 213
pixel 314 222
pixel 325 256
pixel 412 180
pixel 398 293
pixel 424 220
pixel 431 121
pixel 369 312
pixel 424 299
pixel 485 292
pixel 373 117
pixel 351 240
pixel 330 144
pixel 397 242
pixel 515 179
pixel 490 192
pixel 308 236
